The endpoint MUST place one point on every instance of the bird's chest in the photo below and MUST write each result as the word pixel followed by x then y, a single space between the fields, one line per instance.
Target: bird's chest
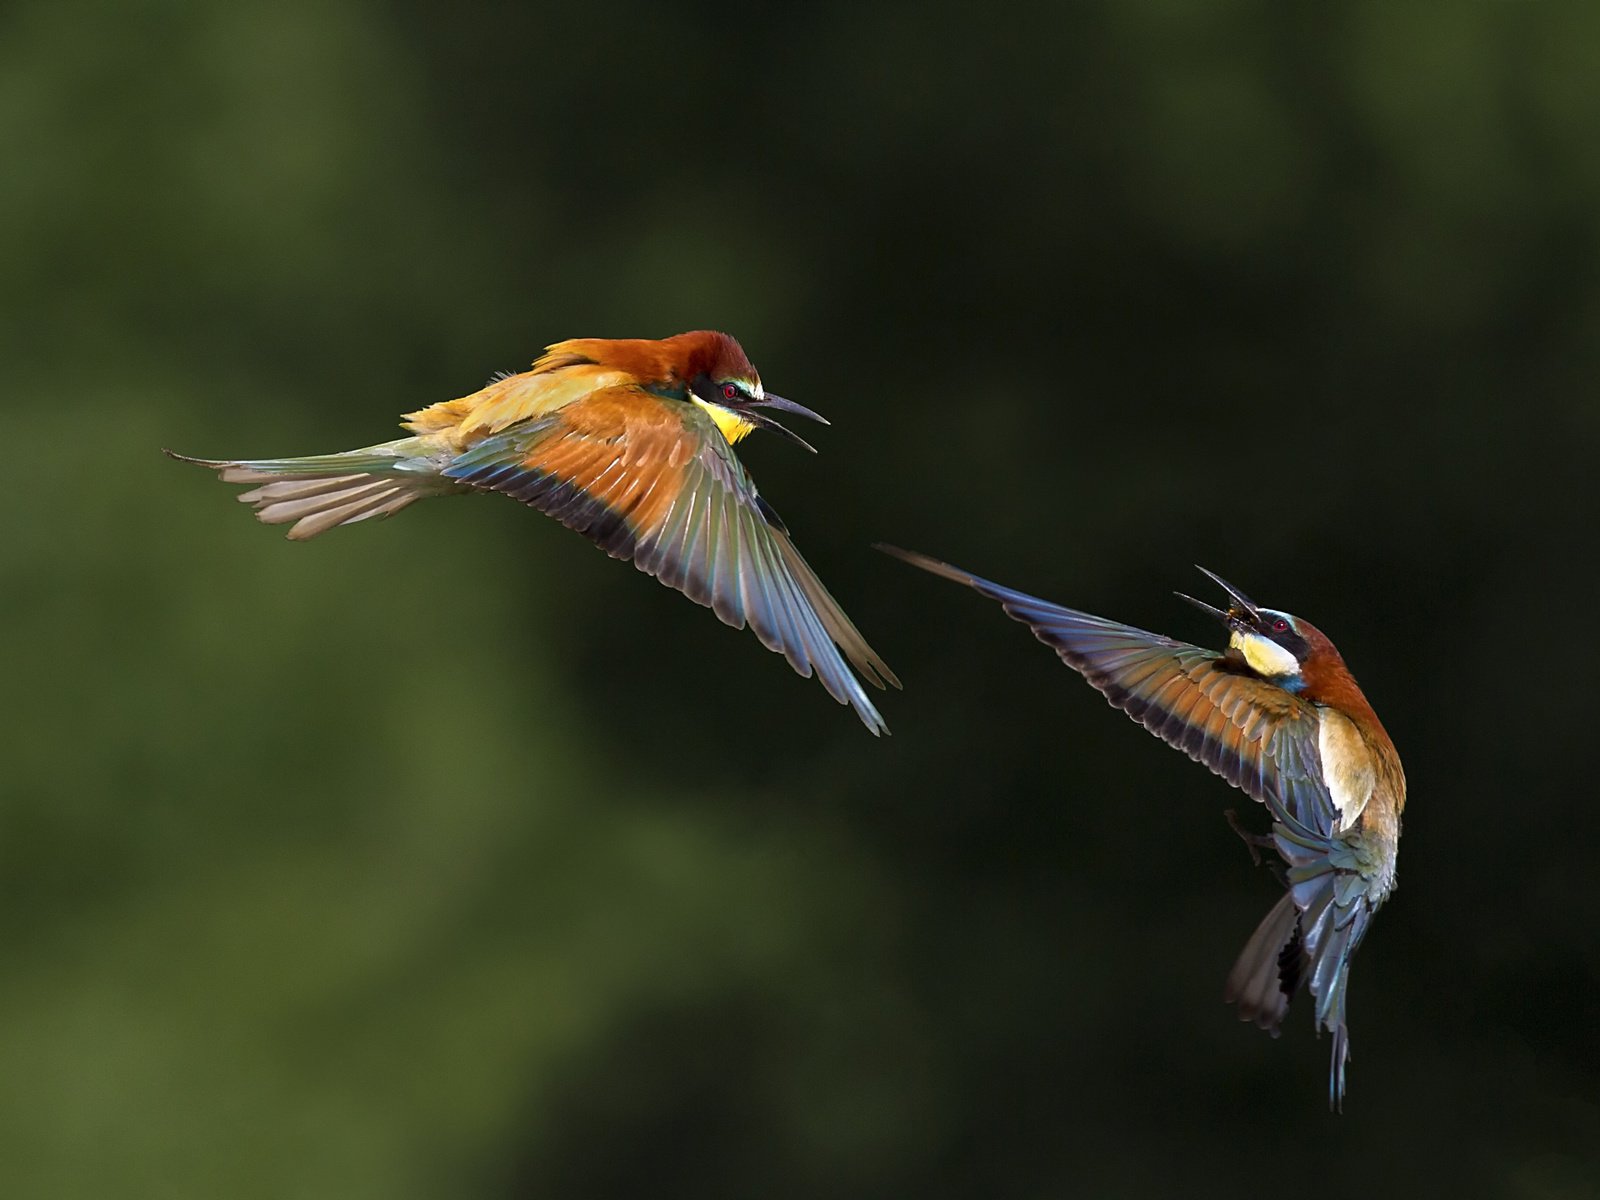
pixel 1348 768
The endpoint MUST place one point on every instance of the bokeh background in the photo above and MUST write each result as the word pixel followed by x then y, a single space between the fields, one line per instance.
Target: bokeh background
pixel 447 857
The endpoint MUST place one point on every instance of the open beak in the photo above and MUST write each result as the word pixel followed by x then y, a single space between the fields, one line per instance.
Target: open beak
pixel 1242 612
pixel 782 405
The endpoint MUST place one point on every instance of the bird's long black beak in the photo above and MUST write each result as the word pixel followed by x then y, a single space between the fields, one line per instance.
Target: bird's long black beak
pixel 790 406
pixel 1227 619
pixel 1242 611
pixel 782 405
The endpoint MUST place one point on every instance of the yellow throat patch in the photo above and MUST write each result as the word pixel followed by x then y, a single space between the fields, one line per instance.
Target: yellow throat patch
pixel 1264 655
pixel 729 423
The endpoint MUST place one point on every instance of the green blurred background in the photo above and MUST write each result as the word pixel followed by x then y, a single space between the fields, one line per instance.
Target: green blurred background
pixel 447 857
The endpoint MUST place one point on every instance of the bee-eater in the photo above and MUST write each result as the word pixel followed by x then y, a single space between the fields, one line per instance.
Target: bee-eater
pixel 629 442
pixel 1279 716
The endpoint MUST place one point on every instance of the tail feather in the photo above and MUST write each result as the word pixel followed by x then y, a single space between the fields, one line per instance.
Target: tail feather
pixel 278 508
pixel 1306 940
pixel 362 499
pixel 287 489
pixel 315 494
pixel 1256 982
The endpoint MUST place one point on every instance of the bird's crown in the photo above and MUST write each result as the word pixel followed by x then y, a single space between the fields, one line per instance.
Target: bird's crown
pixel 668 363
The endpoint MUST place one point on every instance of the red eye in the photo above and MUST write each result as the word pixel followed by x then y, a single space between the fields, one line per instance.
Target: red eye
pixel 1280 626
pixel 729 392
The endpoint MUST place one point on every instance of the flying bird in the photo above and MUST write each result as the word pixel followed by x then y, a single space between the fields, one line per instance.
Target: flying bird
pixel 630 443
pixel 1279 716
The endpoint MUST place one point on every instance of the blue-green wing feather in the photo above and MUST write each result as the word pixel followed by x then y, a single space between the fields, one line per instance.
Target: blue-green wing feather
pixel 1258 737
pixel 669 494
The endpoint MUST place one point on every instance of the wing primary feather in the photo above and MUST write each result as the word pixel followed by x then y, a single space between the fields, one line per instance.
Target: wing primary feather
pixel 668 547
pixel 651 479
pixel 840 628
pixel 725 564
pixel 696 554
pixel 777 629
pixel 818 647
pixel 831 670
pixel 781 601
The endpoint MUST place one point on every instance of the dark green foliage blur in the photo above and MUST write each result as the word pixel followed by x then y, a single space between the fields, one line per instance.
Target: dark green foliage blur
pixel 445 857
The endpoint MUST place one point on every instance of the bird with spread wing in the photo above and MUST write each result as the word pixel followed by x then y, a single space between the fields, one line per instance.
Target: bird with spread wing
pixel 1279 716
pixel 630 443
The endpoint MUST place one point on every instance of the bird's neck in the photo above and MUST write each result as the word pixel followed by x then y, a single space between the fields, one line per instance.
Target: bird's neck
pixel 1328 681
pixel 729 424
pixel 1330 684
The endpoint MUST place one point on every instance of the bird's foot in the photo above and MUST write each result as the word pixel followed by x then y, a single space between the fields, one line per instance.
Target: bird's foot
pixel 1256 842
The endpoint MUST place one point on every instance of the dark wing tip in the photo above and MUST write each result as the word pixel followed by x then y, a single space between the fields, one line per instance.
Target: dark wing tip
pixel 872 668
pixel 186 458
pixel 933 566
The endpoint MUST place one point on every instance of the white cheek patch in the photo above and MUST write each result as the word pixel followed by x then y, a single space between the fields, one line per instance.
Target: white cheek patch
pixel 1264 655
pixel 1347 767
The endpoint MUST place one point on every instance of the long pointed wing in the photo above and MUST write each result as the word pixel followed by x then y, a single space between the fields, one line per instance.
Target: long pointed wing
pixel 1258 737
pixel 651 479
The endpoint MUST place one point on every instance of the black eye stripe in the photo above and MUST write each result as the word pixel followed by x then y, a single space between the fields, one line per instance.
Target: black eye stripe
pixel 719 391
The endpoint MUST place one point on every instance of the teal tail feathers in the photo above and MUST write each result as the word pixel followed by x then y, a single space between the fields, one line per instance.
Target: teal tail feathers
pixel 1259 983
pixel 315 494
pixel 1306 941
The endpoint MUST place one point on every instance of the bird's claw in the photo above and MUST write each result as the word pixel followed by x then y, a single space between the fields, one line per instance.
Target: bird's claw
pixel 1255 841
